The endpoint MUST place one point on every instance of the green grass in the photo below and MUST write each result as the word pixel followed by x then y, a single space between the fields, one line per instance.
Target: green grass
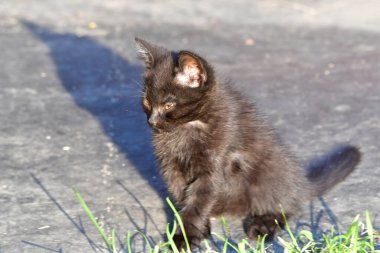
pixel 360 237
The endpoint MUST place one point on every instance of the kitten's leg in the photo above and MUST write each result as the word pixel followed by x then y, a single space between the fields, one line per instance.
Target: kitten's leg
pixel 177 183
pixel 195 210
pixel 259 225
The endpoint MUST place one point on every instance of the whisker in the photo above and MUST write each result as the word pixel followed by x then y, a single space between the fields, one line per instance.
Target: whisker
pixel 137 82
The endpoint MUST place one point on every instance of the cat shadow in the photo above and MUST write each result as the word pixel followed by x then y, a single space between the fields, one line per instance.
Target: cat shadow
pixel 107 86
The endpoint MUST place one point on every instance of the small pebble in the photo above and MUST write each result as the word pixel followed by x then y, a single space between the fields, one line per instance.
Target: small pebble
pixel 66 148
pixel 249 42
pixel 342 108
pixel 92 25
pixel 44 227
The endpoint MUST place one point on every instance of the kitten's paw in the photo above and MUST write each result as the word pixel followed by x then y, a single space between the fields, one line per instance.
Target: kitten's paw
pixel 194 236
pixel 260 225
pixel 259 229
pixel 180 242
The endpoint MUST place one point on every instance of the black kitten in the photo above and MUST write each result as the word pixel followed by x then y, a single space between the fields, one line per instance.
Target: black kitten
pixel 218 156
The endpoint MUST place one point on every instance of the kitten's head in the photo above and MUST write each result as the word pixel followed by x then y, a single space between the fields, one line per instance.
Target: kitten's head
pixel 176 86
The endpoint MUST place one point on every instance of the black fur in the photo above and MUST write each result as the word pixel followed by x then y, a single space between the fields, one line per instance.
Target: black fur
pixel 216 153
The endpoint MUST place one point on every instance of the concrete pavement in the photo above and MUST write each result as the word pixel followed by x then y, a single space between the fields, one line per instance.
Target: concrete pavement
pixel 70 111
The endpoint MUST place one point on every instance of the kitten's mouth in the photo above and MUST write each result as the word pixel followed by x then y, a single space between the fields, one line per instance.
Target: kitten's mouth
pixel 161 129
pixel 160 126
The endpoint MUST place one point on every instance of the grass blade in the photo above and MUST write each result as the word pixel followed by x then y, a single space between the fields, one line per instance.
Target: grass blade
pixel 146 240
pixel 113 238
pixel 287 228
pixel 128 242
pixel 370 230
pixel 178 217
pixel 170 236
pixel 92 218
pixel 226 242
pixel 261 242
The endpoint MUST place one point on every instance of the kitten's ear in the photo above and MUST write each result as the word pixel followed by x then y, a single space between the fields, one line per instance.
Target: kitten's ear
pixel 191 72
pixel 148 52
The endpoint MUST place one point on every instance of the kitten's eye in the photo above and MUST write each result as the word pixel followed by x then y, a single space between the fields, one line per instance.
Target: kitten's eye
pixel 169 105
pixel 146 103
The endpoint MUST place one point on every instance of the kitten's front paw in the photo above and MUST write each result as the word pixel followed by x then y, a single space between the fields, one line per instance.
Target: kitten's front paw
pixel 194 236
pixel 179 240
pixel 257 230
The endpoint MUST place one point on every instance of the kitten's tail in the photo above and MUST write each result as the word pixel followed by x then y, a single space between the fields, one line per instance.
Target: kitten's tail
pixel 334 167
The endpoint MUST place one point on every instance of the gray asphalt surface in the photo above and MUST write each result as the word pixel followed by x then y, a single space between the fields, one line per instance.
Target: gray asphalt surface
pixel 70 111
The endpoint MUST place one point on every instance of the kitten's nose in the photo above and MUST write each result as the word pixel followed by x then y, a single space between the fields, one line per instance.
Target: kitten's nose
pixel 152 121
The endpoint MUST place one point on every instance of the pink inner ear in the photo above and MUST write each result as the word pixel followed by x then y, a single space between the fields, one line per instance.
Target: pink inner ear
pixel 190 76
